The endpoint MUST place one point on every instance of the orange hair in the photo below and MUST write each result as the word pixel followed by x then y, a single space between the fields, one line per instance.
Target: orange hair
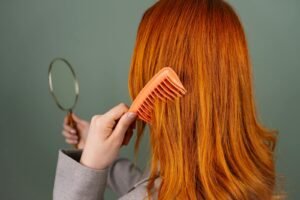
pixel 208 144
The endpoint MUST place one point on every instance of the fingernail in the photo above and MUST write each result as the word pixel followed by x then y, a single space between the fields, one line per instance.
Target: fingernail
pixel 73 131
pixel 131 115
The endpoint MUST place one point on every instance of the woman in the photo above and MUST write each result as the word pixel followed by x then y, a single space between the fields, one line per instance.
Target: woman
pixel 208 144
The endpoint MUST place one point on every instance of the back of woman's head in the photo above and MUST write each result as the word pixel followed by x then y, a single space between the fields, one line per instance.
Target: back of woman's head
pixel 208 144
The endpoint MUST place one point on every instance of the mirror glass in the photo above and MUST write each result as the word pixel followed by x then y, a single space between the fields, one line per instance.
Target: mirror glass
pixel 63 83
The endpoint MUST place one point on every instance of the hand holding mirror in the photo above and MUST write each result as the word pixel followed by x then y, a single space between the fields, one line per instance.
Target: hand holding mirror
pixel 64 88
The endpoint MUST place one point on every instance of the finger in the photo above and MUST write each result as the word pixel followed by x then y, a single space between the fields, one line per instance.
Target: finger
pixel 82 124
pixel 79 126
pixel 66 119
pixel 133 125
pixel 127 137
pixel 71 141
pixel 76 118
pixel 69 129
pixel 116 112
pixel 126 120
pixel 69 135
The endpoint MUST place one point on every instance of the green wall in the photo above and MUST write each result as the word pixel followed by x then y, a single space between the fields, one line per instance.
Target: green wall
pixel 97 37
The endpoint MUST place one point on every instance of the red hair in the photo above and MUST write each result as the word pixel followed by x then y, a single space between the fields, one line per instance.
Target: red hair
pixel 208 144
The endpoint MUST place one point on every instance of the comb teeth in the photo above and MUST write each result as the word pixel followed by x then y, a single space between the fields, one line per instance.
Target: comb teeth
pixel 165 85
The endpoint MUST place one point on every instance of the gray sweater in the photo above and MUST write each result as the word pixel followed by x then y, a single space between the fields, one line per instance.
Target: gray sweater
pixel 73 181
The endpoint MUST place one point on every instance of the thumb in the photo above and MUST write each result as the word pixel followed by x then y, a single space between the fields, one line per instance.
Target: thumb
pixel 76 118
pixel 123 124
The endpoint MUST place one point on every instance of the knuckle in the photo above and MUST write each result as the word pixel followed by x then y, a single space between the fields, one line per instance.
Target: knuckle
pixel 66 134
pixel 95 119
pixel 123 105
pixel 66 127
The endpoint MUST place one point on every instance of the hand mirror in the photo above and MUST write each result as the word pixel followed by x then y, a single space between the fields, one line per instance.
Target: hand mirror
pixel 64 87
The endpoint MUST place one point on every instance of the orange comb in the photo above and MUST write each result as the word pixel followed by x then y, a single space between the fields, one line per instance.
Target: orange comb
pixel 164 85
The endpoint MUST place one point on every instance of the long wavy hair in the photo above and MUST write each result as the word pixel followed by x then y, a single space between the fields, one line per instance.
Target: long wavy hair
pixel 208 144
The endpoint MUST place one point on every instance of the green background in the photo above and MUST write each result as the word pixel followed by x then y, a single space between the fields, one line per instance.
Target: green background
pixel 97 37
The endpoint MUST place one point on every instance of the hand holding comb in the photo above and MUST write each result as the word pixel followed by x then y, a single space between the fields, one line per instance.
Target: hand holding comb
pixel 164 85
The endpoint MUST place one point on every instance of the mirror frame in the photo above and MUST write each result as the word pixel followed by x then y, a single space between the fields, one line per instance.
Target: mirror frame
pixel 76 84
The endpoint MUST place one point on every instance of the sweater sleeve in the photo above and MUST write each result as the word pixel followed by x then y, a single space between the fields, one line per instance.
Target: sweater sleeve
pixel 74 181
pixel 123 174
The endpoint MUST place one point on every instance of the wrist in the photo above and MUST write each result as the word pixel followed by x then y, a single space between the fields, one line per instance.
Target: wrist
pixel 89 159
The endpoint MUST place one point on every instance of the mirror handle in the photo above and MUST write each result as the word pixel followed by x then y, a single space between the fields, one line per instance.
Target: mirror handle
pixel 71 122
